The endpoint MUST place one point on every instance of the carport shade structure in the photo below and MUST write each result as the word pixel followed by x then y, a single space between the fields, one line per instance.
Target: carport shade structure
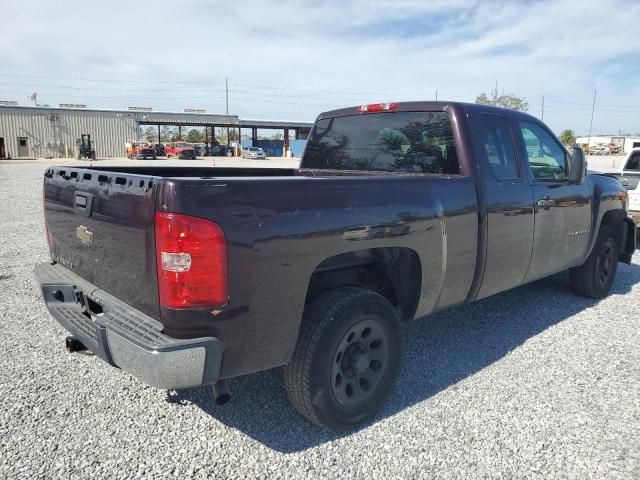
pixel 213 121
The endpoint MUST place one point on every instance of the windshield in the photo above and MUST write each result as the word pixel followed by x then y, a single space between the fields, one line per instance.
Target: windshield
pixel 418 142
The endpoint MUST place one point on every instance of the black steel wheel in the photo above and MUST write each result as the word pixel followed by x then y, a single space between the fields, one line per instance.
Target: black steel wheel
pixel 596 275
pixel 347 358
pixel 360 361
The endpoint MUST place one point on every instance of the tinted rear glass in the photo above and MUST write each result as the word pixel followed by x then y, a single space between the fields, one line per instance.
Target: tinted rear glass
pixel 417 142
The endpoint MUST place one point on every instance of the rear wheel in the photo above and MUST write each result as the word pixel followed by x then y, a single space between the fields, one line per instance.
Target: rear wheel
pixel 347 358
pixel 596 275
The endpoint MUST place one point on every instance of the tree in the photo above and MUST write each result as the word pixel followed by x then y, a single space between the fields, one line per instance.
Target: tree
pixel 568 137
pixel 167 133
pixel 497 99
pixel 194 136
pixel 150 134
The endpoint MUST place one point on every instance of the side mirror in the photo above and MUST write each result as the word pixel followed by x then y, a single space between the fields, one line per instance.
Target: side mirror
pixel 577 166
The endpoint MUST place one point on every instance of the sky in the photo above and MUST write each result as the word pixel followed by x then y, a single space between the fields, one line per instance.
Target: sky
pixel 292 60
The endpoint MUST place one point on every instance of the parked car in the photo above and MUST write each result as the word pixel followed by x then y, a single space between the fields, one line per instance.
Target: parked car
pixel 253 152
pixel 180 150
pixel 600 150
pixel 199 149
pixel 221 151
pixel 249 269
pixel 140 149
pixel 365 232
pixel 160 152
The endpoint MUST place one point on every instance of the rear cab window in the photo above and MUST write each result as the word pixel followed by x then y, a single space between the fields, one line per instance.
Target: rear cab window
pixel 408 142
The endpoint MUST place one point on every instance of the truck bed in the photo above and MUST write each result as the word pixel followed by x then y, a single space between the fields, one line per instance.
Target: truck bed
pixel 281 224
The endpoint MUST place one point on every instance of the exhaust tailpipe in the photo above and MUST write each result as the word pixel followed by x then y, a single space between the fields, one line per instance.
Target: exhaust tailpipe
pixel 221 394
pixel 72 344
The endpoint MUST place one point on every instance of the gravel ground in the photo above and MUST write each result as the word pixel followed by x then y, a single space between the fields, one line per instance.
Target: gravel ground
pixel 533 383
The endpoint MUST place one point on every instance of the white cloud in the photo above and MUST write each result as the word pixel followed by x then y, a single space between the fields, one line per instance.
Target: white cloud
pixel 363 50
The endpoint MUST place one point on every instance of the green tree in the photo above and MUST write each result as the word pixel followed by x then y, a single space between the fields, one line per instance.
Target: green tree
pixel 508 100
pixel 568 137
pixel 194 136
pixel 167 133
pixel 150 134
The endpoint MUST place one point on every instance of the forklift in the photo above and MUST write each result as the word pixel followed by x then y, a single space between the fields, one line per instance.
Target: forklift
pixel 84 147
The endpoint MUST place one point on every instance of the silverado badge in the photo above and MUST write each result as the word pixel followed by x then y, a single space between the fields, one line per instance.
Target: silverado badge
pixel 84 235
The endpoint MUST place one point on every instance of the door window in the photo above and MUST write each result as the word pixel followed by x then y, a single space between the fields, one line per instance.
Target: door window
pixel 633 163
pixel 498 147
pixel 547 159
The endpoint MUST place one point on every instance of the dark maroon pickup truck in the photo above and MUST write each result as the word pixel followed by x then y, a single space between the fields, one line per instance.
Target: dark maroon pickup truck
pixel 188 276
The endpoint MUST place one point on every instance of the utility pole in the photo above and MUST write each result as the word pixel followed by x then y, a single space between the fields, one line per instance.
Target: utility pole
pixel 436 94
pixel 542 117
pixel 226 96
pixel 593 109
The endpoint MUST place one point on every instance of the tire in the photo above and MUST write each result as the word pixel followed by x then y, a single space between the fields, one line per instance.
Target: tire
pixel 596 275
pixel 347 358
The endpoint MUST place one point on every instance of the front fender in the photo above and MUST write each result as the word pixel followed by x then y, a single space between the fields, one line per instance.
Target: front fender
pixel 628 241
pixel 609 206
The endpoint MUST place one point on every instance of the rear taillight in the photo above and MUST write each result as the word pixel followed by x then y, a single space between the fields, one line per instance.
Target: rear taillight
pixel 191 255
pixel 377 107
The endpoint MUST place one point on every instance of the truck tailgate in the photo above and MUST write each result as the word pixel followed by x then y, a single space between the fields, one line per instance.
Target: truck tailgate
pixel 101 227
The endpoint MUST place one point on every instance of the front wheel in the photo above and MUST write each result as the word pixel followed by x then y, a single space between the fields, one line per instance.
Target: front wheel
pixel 347 358
pixel 596 275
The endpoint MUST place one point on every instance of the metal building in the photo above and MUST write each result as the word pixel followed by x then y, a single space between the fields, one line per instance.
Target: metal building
pixel 32 132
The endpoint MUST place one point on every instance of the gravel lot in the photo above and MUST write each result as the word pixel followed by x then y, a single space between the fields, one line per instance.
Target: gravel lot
pixel 533 383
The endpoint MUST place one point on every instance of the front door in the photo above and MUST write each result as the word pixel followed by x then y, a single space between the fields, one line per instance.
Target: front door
pixel 23 147
pixel 3 154
pixel 562 209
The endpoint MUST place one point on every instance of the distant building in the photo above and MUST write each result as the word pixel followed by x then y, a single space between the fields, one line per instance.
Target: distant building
pixel 50 132
pixel 626 143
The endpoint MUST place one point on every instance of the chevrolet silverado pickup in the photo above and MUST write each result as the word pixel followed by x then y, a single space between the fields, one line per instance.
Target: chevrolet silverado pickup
pixel 188 276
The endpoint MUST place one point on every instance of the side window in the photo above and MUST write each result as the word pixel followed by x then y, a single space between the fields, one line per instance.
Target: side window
pixel 547 159
pixel 633 163
pixel 496 140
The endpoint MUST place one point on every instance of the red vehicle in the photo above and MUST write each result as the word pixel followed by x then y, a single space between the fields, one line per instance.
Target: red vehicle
pixel 140 150
pixel 180 150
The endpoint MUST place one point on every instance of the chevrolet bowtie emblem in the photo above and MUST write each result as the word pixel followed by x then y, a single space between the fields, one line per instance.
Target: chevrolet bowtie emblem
pixel 84 235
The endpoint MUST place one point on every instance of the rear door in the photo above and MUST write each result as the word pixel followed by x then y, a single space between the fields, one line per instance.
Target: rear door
pixel 509 205
pixel 101 228
pixel 562 209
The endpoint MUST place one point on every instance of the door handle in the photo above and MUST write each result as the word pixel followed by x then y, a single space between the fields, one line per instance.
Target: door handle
pixel 546 203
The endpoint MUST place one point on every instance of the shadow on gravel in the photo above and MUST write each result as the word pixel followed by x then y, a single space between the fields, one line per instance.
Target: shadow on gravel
pixel 440 351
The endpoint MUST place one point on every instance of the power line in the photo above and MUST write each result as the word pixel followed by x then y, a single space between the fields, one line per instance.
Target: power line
pixel 421 94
